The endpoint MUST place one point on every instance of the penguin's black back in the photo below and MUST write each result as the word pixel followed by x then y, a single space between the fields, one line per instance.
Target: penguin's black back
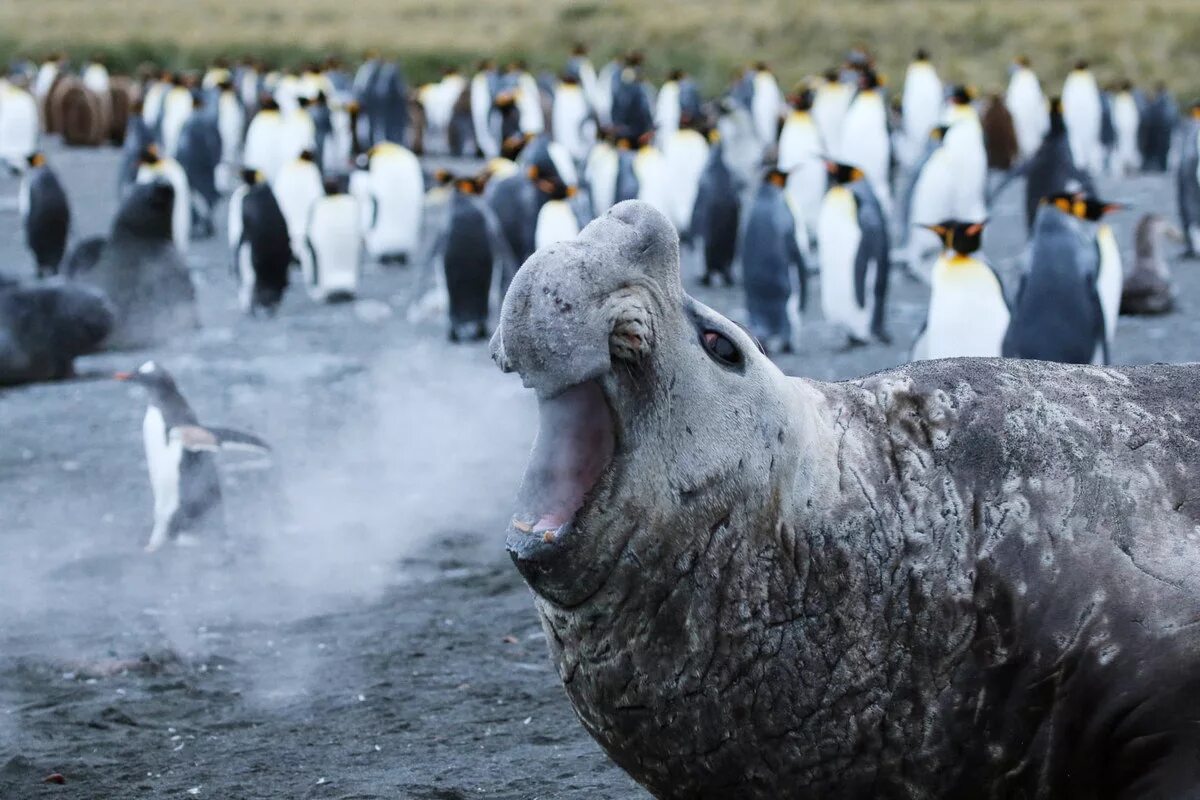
pixel 200 503
pixel 265 229
pixel 1050 171
pixel 468 261
pixel 628 185
pixel 718 214
pixel 1057 315
pixel 199 152
pixel 49 220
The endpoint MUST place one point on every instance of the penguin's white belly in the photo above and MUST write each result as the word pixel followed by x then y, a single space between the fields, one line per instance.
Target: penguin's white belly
pixel 19 127
pixel 666 111
pixel 652 180
pixel 684 162
pixel 798 142
pixel 163 458
pixel 838 238
pixel 399 190
pixel 262 151
pixel 602 169
pixel 1110 281
pixel 1027 106
pixel 569 115
pixel 181 208
pixel 967 315
pixel 481 104
pixel 296 135
pixel 865 143
pixel 296 189
pixel 967 158
pixel 555 223
pixel 805 189
pixel 333 234
pixel 234 226
pixel 175 115
pixel 246 277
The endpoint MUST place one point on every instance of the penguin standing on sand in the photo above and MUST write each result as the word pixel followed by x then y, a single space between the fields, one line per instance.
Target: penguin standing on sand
pixel 156 167
pixel 920 105
pixel 1188 183
pixel 333 246
pixel 717 215
pixel 297 186
pixel 925 202
pixel 965 149
pixel 766 105
pixel 1146 288
pixel 865 142
pixel 800 156
pixel 472 248
pixel 1083 113
pixel 967 315
pixel 773 270
pixel 654 182
pixel 999 134
pixel 231 122
pixel 1125 159
pixel 392 191
pixel 176 108
pixel 262 151
pixel 1027 105
pixel 685 153
pixel 482 90
pixel 1156 127
pixel 1057 315
pixel 45 213
pixel 831 100
pixel 1111 273
pixel 263 253
pixel 179 455
pixel 852 240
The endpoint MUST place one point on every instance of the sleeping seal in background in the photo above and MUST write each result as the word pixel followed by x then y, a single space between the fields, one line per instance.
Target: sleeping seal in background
pixel 44 327
pixel 966 578
pixel 141 272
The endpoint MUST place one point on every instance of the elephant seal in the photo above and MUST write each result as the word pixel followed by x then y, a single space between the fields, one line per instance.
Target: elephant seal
pixel 970 578
pixel 44 326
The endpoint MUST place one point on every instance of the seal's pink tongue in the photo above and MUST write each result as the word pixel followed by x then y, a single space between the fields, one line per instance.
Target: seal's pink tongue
pixel 575 443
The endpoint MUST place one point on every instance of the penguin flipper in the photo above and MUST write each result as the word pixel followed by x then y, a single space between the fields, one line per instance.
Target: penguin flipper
pixel 198 438
pixel 230 439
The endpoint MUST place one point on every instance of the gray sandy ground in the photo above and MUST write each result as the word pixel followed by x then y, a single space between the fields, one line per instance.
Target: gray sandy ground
pixel 363 635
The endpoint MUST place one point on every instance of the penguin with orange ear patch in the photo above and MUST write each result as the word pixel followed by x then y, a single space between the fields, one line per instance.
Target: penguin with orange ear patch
pixel 967 314
pixel 773 269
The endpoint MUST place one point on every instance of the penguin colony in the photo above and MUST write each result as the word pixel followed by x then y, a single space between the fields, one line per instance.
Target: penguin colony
pixel 323 169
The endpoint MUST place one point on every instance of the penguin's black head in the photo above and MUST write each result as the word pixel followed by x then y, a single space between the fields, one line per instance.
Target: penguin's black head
pixel 961 96
pixel 1023 62
pixel 676 75
pixel 505 100
pixel 332 186
pixel 150 376
pixel 802 100
pixel 776 177
pixel 308 155
pixel 36 159
pixel 1081 65
pixel 268 103
pixel 554 187
pixel 963 238
pixel 938 132
pixel 921 55
pixel 149 154
pixel 1093 209
pixel 467 185
pixel 842 174
pixel 831 76
pixel 304 102
pixel 868 79
pixel 250 176
pixel 579 49
pixel 1063 201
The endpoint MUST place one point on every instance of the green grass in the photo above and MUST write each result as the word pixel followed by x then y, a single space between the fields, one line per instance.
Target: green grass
pixel 972 40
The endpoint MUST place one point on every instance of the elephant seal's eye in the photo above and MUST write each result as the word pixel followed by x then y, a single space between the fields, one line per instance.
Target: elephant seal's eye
pixel 721 348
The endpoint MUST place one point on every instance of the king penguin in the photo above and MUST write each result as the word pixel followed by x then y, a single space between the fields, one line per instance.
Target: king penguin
pixel 297 186
pixel 20 125
pixel 154 167
pixel 1058 315
pixel 852 241
pixel 395 195
pixel 333 245
pixel 262 151
pixel 920 105
pixel 1027 105
pixel 831 100
pixel 263 254
pixel 556 220
pixel 1083 112
pixel 967 313
pixel 1052 169
pixel 800 155
pixel 717 215
pixel 1188 183
pixel 1126 159
pixel 571 120
pixel 600 172
pixel 925 202
pixel 773 270
pixel 46 214
pixel 1110 278
pixel 199 153
pixel 179 457
pixel 685 153
pixel 865 142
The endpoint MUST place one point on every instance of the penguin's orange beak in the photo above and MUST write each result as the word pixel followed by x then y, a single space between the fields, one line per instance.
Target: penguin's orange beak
pixel 122 376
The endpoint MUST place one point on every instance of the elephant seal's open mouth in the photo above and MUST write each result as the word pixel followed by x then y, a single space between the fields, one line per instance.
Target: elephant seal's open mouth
pixel 575 444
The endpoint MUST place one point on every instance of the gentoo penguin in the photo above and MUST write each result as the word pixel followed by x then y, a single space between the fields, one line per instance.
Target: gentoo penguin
pixel 231 123
pixel 1126 159
pixel 767 105
pixel 262 150
pixel 179 455
pixel 926 201
pixel 263 253
pixel 199 153
pixel 1147 287
pixel 176 108
pixel 920 104
pixel 1052 169
pixel 20 125
pixel 141 272
pixel 556 220
pixel 685 153
pixel 1027 105
pixel 1111 275
pixel 156 167
pixel 865 142
pixel 1057 315
pixel 571 119
pixel 472 248
pixel 45 326
pixel 773 270
pixel 333 252
pixel 717 215
pixel 600 172
pixel 45 213
pixel 967 315
pixel 800 156
pixel 852 240
pixel 999 134
pixel 394 191
pixel 1188 183
pixel 1158 119
pixel 1082 111
pixel 297 186
pixel 831 100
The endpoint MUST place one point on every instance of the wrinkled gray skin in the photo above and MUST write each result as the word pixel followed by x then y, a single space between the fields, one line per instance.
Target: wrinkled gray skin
pixel 964 578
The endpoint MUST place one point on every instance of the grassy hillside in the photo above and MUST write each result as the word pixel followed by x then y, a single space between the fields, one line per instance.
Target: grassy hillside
pixel 972 40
